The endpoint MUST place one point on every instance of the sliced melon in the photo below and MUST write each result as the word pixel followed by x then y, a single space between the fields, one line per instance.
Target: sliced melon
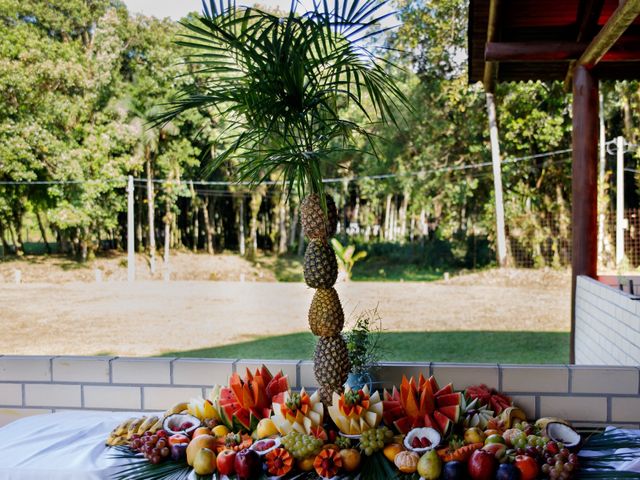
pixel 445 425
pixel 452 412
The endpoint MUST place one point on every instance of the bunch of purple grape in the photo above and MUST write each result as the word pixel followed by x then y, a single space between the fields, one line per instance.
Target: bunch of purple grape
pixel 154 446
pixel 559 462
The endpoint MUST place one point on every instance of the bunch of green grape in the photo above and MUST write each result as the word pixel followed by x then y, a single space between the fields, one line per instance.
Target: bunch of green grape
pixel 375 439
pixel 301 445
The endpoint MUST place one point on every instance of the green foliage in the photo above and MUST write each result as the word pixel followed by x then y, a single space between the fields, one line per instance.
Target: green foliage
pixel 283 83
pixel 347 256
pixel 363 341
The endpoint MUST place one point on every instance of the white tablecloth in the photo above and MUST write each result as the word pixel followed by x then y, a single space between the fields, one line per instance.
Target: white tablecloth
pixel 59 446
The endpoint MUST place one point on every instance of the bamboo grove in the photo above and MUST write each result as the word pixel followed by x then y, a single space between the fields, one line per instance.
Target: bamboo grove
pixel 81 81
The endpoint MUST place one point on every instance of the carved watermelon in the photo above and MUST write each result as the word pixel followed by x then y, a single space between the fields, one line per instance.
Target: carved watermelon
pixel 424 404
pixel 246 401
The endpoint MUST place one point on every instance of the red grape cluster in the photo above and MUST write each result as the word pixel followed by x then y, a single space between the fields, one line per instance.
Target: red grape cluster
pixel 559 462
pixel 154 446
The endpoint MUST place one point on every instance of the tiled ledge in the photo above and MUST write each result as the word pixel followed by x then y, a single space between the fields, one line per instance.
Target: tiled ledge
pixel 38 384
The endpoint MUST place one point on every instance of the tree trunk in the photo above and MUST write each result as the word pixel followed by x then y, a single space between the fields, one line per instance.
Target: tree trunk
pixel 43 232
pixel 387 218
pixel 151 214
pixel 195 214
pixel 301 242
pixel 241 238
pixel 254 205
pixel 403 216
pixel 628 123
pixel 282 225
pixel 167 233
pixel 5 245
pixel 207 226
pixel 139 235
pixel 293 227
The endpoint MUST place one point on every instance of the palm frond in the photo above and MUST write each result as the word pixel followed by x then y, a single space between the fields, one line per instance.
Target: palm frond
pixel 284 84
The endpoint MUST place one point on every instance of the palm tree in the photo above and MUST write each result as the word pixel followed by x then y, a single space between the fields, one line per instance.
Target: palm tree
pixel 284 85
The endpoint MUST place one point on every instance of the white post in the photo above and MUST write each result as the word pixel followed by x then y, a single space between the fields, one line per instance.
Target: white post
pixel 131 254
pixel 497 181
pixel 619 200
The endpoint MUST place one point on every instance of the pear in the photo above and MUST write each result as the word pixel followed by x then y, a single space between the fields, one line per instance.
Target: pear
pixel 430 465
pixel 205 462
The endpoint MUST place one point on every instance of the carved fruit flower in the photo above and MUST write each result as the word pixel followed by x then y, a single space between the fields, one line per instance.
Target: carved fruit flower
pixel 327 463
pixel 279 462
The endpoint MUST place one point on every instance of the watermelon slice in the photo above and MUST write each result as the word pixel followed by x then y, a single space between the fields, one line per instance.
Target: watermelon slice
pixel 452 412
pixel 447 389
pixel 444 424
pixel 449 399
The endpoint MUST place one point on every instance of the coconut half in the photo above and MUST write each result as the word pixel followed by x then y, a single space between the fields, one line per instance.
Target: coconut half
pixel 561 433
pixel 181 423
pixel 262 447
pixel 423 435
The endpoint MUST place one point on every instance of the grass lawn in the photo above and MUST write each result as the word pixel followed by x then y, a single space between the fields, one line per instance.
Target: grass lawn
pixel 288 268
pixel 466 347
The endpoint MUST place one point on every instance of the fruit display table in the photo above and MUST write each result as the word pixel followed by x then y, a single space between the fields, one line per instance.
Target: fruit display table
pixel 66 445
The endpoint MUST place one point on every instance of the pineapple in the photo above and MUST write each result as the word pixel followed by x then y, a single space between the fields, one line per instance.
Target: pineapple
pixel 331 363
pixel 317 224
pixel 326 317
pixel 320 265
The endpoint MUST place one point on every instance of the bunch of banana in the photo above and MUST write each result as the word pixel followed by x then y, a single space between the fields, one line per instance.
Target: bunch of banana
pixel 121 435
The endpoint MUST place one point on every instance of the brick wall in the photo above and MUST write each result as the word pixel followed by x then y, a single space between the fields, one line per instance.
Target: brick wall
pixel 35 385
pixel 607 325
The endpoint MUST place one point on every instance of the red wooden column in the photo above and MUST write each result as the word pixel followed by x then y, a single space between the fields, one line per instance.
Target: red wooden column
pixel 584 183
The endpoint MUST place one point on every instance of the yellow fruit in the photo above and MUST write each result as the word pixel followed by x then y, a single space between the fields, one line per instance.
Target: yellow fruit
pixel 205 462
pixel 266 428
pixel 430 466
pixel 197 444
pixel 306 464
pixel 391 450
pixel 220 430
pixel 473 435
pixel 350 459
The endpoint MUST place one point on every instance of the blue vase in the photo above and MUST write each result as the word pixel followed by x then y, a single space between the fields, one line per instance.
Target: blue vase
pixel 356 381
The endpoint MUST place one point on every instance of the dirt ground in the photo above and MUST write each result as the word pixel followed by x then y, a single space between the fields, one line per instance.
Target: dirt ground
pixel 50 314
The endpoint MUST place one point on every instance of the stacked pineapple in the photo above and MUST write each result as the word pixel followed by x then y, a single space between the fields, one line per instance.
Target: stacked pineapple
pixel 326 318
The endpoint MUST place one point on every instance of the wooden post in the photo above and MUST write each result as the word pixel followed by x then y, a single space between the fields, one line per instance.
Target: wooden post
pixel 619 201
pixel 497 181
pixel 584 184
pixel 131 245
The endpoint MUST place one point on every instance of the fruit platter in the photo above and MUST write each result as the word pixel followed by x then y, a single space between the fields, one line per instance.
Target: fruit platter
pixel 256 427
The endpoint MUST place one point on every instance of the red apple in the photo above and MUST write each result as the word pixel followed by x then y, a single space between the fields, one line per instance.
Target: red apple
pixel 247 464
pixel 226 462
pixel 528 467
pixel 482 465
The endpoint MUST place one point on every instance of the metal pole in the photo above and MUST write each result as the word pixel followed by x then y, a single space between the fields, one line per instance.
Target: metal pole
pixel 131 254
pixel 619 200
pixel 497 180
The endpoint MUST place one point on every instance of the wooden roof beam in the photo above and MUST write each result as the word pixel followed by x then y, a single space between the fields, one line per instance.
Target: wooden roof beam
pixel 491 68
pixel 627 51
pixel 624 16
pixel 608 35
